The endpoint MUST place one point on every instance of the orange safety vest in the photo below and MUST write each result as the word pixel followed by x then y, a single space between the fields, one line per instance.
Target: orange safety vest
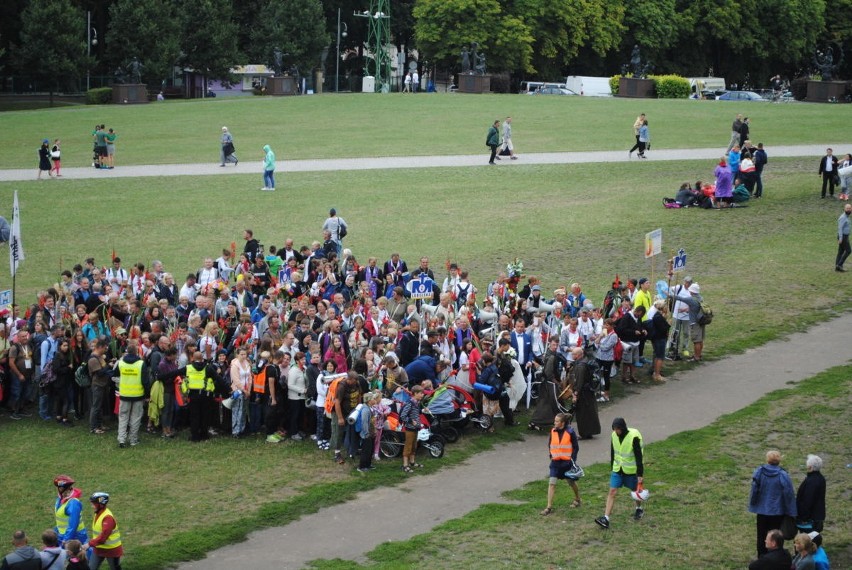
pixel 258 385
pixel 560 447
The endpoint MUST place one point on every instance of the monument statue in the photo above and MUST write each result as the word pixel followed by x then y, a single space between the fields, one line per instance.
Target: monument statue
pixel 134 70
pixel 277 60
pixel 480 64
pixel 118 76
pixel 465 60
pixel 824 62
pixel 473 48
pixel 636 61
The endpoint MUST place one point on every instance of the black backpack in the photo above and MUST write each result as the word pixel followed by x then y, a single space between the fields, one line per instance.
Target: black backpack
pixel 462 299
pixel 342 230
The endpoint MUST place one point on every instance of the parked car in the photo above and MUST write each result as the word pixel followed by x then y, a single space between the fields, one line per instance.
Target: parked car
pixel 740 96
pixel 553 91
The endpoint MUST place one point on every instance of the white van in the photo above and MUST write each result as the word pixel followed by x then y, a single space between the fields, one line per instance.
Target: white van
pixel 706 87
pixel 589 86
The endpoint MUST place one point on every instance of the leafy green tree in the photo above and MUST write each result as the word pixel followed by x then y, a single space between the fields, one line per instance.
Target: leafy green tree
pixel 52 48
pixel 208 37
pixel 562 27
pixel 148 30
pixel 445 26
pixel 296 27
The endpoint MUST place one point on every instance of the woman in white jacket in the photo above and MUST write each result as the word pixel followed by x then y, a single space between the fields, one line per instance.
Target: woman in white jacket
pixel 296 389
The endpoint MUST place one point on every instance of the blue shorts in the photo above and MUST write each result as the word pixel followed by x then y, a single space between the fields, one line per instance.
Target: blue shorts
pixel 558 467
pixel 617 480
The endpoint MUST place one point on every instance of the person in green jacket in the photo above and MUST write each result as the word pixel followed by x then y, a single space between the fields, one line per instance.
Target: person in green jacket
pixel 268 169
pixel 493 140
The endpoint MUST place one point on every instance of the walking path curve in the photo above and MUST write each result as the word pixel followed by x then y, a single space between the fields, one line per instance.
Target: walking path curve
pixel 395 162
pixel 690 400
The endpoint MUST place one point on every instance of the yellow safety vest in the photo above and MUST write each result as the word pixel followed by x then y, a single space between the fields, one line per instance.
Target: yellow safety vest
pixel 114 540
pixel 623 458
pixel 560 447
pixel 130 380
pixel 197 379
pixel 62 519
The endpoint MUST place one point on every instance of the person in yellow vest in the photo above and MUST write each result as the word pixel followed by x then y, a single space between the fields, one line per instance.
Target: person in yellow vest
pixel 199 383
pixel 644 298
pixel 106 543
pixel 564 447
pixel 627 467
pixel 69 511
pixel 132 392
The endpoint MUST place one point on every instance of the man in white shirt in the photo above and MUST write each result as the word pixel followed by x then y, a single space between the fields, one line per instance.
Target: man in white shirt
pixel 116 275
pixel 223 264
pixel 679 338
pixel 207 274
pixel 189 289
pixel 451 280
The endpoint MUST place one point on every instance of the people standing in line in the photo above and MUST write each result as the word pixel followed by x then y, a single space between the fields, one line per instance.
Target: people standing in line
pixel 775 556
pixel 226 152
pixel 644 139
pixel 843 228
pixel 110 137
pixel 338 229
pixel 68 511
pixel 564 448
pixel 507 138
pixel 810 498
pixel 772 497
pixel 735 132
pixel 492 141
pixel 724 184
pixel 760 160
pixel 268 169
pixel 637 124
pixel 24 557
pixel 407 83
pixel 628 468
pixel 415 81
pixel 44 159
pixel 106 543
pixel 828 171
pixel 56 156
pixel 845 180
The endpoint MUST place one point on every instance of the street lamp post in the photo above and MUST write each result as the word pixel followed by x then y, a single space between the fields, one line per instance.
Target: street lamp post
pixel 91 40
pixel 337 61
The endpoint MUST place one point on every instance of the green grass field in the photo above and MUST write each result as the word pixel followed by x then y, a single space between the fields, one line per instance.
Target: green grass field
pixel 361 125
pixel 766 269
pixel 696 518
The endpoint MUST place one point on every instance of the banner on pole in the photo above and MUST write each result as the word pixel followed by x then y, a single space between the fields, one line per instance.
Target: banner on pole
pixel 679 261
pixel 653 243
pixel 16 249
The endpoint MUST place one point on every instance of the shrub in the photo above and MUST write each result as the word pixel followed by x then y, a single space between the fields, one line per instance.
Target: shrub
pixel 671 86
pixel 99 96
pixel 613 84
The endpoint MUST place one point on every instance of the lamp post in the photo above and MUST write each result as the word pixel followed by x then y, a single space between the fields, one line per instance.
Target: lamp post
pixel 340 34
pixel 91 40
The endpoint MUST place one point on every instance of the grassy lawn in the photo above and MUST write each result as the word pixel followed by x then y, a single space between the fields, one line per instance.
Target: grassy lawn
pixel 766 269
pixel 697 516
pixel 360 125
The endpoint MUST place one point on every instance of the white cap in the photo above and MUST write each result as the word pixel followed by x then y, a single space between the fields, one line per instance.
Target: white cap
pixel 694 289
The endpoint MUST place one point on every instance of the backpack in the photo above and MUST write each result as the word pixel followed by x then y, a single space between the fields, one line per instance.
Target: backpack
pixel 81 376
pixel 705 316
pixel 462 299
pixel 342 230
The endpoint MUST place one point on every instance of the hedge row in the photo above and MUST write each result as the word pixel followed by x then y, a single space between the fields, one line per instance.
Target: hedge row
pixel 666 86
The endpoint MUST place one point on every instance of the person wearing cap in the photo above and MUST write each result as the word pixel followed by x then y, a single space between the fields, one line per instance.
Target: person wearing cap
pixel 820 557
pixel 338 228
pixel 693 300
pixel 626 455
pixel 68 511
pixel 106 544
pixel 226 154
pixel 44 159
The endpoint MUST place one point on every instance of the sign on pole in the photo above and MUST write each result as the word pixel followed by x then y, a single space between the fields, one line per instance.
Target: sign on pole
pixel 420 287
pixel 5 298
pixel 16 249
pixel 679 261
pixel 653 243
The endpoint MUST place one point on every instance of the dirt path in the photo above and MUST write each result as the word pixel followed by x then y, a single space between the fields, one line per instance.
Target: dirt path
pixel 690 400
pixel 396 162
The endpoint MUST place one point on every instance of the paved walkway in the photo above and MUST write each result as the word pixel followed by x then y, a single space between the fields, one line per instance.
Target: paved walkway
pixel 691 400
pixel 394 162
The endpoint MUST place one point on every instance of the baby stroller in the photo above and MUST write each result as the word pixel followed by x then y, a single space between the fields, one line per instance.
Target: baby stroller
pixel 469 411
pixel 393 437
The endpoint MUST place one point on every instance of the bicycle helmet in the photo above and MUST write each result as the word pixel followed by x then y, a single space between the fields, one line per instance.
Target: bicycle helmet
pixel 62 482
pixel 100 498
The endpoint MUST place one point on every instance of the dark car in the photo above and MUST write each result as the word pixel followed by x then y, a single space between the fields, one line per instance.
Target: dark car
pixel 553 91
pixel 740 96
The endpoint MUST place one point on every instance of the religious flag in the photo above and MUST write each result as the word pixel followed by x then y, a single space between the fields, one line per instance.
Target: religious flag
pixel 16 249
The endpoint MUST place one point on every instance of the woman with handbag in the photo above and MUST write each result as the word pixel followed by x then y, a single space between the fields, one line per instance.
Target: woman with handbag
pixel 227 152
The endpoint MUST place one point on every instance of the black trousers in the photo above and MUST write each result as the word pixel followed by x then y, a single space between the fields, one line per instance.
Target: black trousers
pixel 828 180
pixel 199 403
pixel 506 409
pixel 765 523
pixel 635 146
pixel 493 153
pixel 843 251
pixel 366 455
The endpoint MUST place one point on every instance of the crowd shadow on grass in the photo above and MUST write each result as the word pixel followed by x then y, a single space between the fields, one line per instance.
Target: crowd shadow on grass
pixel 696 517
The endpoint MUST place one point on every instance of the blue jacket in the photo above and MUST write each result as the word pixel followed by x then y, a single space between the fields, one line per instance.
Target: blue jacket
pixel 527 342
pixel 421 368
pixel 772 492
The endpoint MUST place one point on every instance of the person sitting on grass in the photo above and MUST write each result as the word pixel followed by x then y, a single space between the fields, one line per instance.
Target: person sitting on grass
pixel 564 447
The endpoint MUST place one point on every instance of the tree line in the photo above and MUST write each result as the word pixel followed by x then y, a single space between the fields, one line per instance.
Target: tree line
pixel 746 41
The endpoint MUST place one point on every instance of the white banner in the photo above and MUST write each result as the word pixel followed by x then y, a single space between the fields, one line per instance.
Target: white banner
pixel 16 248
